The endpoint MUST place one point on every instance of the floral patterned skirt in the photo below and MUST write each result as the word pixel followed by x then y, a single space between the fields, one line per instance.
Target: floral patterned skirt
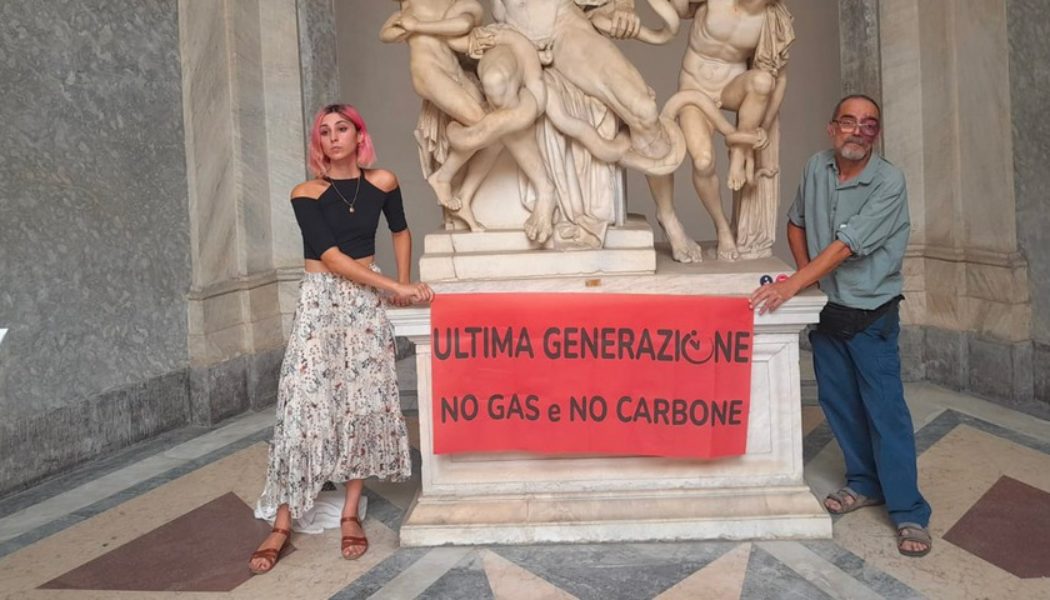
pixel 338 408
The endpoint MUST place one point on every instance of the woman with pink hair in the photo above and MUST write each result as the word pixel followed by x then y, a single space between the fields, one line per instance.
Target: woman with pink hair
pixel 338 408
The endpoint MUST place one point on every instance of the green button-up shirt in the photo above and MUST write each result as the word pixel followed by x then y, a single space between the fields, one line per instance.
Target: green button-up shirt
pixel 869 213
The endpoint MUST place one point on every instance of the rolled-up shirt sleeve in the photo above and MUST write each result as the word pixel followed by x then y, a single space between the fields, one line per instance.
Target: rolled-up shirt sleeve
pixel 797 212
pixel 881 216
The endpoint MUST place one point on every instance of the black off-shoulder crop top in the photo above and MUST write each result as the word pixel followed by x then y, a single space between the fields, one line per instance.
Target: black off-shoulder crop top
pixel 327 221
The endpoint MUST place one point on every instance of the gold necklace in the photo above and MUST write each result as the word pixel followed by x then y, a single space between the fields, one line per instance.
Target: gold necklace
pixel 349 204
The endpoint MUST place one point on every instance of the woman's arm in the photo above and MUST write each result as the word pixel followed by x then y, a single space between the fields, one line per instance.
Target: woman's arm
pixel 403 257
pixel 403 254
pixel 344 266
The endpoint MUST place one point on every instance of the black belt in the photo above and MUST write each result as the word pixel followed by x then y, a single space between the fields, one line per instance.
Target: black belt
pixel 844 322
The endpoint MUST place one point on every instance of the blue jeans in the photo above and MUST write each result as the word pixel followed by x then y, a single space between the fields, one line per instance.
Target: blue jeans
pixel 860 389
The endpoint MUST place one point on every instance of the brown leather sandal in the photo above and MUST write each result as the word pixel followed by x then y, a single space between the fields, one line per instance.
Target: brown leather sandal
pixel 270 554
pixel 351 541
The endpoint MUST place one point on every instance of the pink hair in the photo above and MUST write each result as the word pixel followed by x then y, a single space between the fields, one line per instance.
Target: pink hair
pixel 366 152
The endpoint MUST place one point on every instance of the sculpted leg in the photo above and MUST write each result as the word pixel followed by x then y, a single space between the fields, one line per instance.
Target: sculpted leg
pixel 749 94
pixel 522 146
pixel 698 138
pixel 457 101
pixel 683 248
pixel 476 171
pixel 503 86
pixel 596 66
pixel 441 180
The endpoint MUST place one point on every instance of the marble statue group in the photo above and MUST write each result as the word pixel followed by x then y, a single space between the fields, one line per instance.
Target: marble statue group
pixel 545 83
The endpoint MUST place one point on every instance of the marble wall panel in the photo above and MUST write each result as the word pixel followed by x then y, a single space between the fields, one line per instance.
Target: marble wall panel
pixel 211 147
pixel 36 445
pixel 1041 372
pixel 1000 370
pixel 912 343
pixel 317 54
pixel 984 144
pixel 263 375
pixel 249 109
pixel 902 102
pixel 947 357
pixel 284 125
pixel 859 47
pixel 219 390
pixel 997 283
pixel 1029 47
pixel 93 205
pixel 940 140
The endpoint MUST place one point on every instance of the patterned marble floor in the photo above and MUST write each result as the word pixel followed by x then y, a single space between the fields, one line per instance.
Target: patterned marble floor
pixel 172 518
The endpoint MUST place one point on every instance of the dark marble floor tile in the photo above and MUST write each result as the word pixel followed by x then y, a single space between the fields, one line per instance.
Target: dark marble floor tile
pixel 203 550
pixel 809 393
pixel 34 536
pixel 602 571
pixel 384 511
pixel 381 574
pixel 1002 526
pixel 932 432
pixel 769 579
pixel 466 580
pixel 817 439
pixel 1007 434
pixel 948 420
pixel 882 583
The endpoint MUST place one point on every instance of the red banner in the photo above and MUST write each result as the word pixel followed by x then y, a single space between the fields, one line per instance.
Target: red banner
pixel 591 373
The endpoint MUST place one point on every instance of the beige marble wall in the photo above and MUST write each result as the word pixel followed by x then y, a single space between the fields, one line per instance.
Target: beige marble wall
pixel 244 144
pixel 946 92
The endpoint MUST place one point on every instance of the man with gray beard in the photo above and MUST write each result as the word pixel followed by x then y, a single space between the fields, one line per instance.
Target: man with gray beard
pixel 848 229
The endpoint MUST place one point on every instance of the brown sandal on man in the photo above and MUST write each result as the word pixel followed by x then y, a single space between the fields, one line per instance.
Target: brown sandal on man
pixel 913 532
pixel 271 555
pixel 859 501
pixel 352 541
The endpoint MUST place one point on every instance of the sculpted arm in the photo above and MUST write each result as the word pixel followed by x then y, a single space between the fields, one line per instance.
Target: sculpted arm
pixel 463 16
pixel 776 99
pixel 392 31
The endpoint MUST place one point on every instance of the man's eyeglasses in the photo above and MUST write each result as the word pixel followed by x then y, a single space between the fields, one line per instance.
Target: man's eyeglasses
pixel 869 128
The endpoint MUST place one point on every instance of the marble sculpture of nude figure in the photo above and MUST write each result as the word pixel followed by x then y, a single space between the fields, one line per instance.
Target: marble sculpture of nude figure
pixel 736 56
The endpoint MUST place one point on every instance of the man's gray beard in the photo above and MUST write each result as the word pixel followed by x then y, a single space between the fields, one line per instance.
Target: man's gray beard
pixel 853 152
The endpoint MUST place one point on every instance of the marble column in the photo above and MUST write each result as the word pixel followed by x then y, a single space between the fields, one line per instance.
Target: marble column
pixel 1029 47
pixel 947 121
pixel 244 132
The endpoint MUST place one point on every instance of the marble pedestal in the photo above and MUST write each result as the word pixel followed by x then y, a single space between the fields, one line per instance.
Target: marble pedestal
pixel 502 254
pixel 521 499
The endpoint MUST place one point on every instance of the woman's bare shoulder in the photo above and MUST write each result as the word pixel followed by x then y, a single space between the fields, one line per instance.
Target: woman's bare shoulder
pixel 310 189
pixel 382 179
